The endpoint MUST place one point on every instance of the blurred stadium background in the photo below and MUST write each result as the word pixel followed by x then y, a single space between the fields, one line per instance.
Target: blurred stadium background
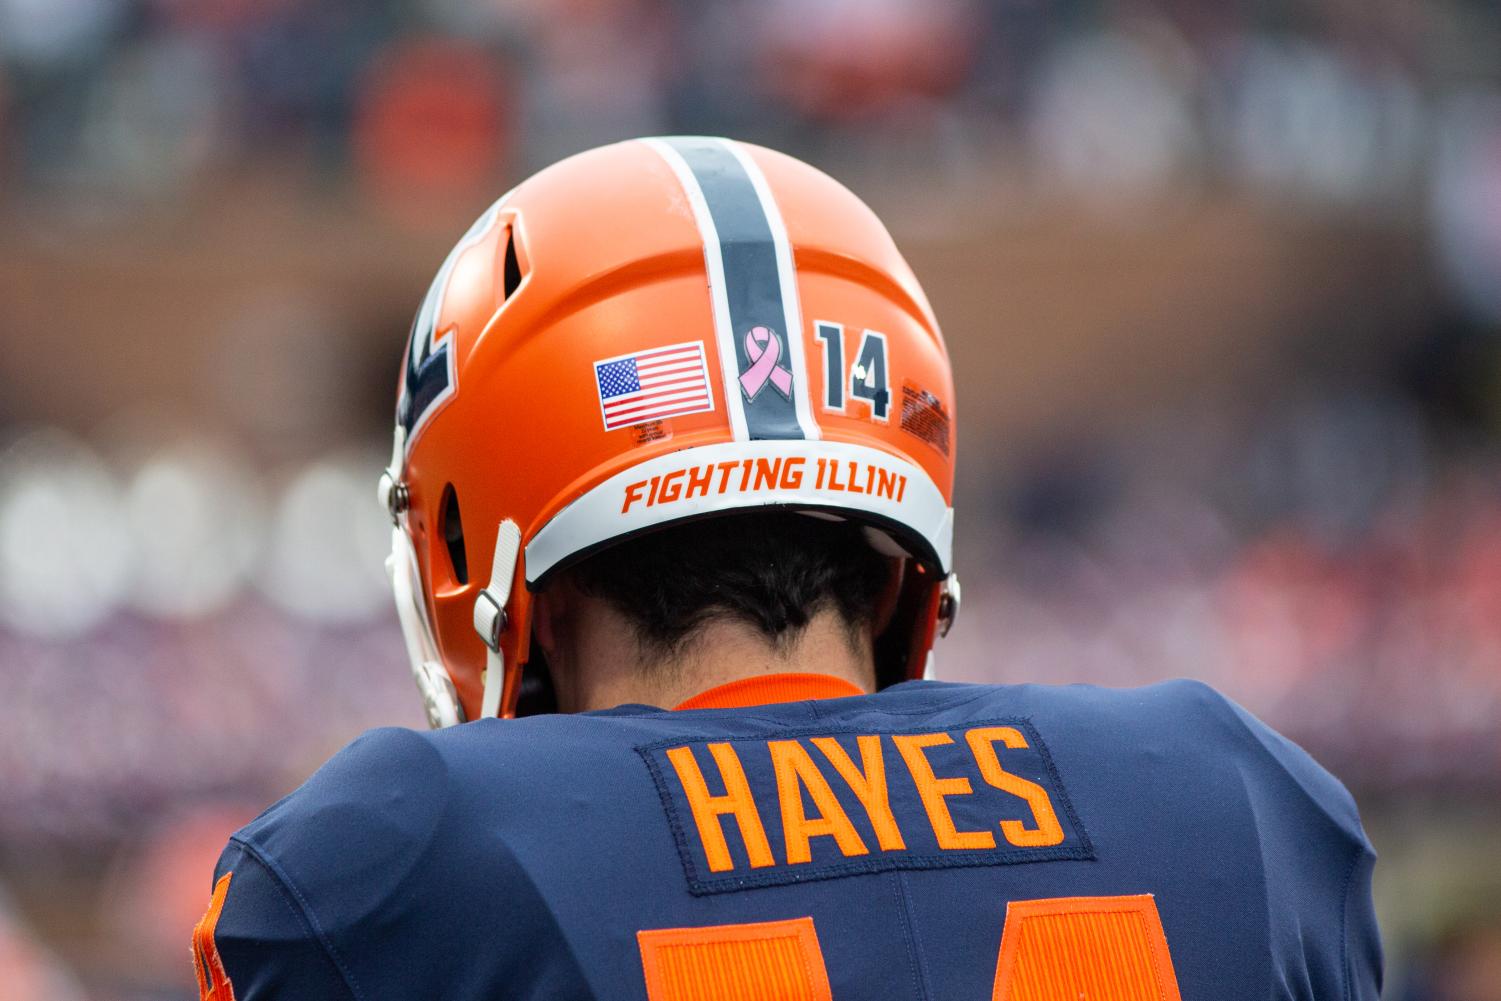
pixel 1222 282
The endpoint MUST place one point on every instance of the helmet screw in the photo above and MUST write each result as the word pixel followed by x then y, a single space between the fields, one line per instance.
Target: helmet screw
pixel 394 497
pixel 948 605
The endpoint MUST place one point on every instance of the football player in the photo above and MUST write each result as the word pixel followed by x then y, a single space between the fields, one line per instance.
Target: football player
pixel 672 540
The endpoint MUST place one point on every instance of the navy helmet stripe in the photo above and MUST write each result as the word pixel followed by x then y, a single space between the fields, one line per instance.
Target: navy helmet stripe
pixel 756 312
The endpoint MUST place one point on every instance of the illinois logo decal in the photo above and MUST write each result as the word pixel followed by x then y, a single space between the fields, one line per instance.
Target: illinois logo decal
pixel 430 379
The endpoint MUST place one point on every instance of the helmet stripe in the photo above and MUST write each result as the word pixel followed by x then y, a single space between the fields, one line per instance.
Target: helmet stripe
pixel 787 275
pixel 752 284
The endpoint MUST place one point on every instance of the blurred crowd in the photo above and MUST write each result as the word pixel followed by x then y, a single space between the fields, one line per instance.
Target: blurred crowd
pixel 192 618
pixel 1331 568
pixel 1321 101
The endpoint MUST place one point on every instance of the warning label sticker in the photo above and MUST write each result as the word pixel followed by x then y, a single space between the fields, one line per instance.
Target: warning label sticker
pixel 923 417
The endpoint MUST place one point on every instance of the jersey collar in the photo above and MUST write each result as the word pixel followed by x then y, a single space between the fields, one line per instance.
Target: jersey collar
pixel 766 689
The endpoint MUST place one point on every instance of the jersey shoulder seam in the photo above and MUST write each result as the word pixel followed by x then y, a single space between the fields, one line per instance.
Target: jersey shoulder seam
pixel 1225 707
pixel 294 896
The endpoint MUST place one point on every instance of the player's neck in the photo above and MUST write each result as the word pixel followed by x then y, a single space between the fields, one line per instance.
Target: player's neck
pixel 606 673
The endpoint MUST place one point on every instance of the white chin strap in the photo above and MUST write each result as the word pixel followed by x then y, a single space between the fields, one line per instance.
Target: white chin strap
pixel 490 613
pixel 439 696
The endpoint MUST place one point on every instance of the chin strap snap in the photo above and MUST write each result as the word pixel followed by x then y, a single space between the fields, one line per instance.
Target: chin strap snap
pixel 490 614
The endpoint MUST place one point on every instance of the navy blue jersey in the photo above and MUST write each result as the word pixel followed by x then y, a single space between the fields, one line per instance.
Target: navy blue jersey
pixel 933 840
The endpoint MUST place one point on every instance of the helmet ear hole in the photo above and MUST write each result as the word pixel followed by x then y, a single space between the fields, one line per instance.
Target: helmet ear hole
pixel 511 274
pixel 453 535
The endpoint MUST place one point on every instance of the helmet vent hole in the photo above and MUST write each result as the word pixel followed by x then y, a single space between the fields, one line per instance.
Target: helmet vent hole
pixel 512 268
pixel 453 535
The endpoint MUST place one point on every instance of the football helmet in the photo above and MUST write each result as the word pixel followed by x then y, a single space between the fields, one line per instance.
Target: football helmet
pixel 645 333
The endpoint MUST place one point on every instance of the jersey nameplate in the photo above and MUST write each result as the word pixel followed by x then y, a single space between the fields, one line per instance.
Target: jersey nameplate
pixel 790 806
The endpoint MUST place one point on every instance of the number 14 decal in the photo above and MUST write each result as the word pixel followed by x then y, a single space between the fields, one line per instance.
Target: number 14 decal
pixel 866 380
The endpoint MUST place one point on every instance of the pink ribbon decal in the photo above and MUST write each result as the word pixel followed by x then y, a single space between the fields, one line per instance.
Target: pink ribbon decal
pixel 764 349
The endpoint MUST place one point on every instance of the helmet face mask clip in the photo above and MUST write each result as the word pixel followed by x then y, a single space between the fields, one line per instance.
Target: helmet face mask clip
pixel 686 328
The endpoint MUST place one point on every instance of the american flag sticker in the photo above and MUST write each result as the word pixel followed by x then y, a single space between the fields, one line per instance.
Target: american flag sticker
pixel 650 385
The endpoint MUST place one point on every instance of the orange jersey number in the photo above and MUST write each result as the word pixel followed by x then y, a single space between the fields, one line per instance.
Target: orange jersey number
pixel 1057 949
pixel 213 982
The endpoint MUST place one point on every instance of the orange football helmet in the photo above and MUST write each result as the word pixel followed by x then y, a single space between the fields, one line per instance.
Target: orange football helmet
pixel 649 332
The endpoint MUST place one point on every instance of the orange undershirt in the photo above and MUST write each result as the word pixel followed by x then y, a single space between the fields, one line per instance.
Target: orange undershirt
pixel 766 689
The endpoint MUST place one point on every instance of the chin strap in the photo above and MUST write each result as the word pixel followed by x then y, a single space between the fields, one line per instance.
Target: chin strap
pixel 490 614
pixel 439 697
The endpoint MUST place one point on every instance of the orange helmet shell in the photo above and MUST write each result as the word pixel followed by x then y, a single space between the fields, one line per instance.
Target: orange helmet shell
pixel 654 331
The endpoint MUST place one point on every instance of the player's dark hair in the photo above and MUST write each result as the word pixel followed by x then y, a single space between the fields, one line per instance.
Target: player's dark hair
pixel 772 570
